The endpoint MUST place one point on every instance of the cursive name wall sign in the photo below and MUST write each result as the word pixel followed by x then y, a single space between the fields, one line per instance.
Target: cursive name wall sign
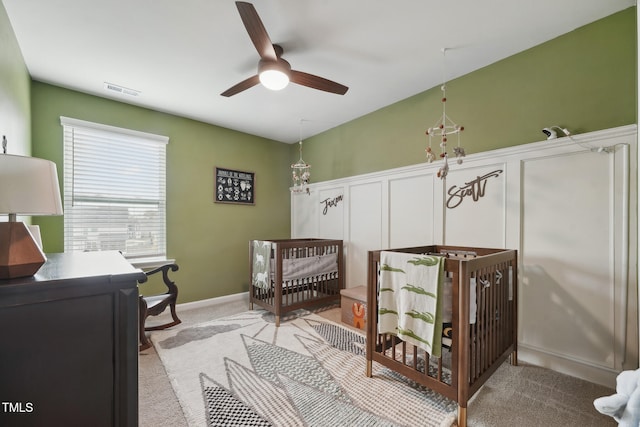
pixel 474 189
pixel 330 203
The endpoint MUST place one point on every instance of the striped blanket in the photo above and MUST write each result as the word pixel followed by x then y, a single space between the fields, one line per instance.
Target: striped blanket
pixel 408 300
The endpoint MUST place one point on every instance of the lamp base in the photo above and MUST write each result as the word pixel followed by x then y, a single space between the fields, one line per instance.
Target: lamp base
pixel 20 255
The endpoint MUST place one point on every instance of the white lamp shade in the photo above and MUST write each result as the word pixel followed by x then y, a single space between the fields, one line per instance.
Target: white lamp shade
pixel 28 186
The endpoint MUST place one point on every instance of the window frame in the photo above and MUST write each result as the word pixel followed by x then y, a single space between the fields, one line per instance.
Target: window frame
pixel 119 136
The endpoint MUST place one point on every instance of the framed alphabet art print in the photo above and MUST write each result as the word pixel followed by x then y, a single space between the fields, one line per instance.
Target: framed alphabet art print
pixel 232 186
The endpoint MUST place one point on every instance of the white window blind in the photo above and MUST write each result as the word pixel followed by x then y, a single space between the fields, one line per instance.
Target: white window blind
pixel 114 190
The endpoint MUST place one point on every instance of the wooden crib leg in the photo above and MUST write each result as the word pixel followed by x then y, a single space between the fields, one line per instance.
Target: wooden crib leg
pixel 513 358
pixel 462 416
pixel 277 321
pixel 369 371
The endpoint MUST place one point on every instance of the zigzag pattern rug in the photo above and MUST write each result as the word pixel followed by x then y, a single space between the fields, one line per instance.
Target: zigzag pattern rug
pixel 243 371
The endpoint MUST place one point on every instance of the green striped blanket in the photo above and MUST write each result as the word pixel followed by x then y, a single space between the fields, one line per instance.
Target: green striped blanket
pixel 408 300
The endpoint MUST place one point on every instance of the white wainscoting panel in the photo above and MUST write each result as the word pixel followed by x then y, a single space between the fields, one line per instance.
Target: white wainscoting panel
pixel 411 211
pixel 304 213
pixel 475 206
pixel 568 205
pixel 568 257
pixel 331 213
pixel 365 229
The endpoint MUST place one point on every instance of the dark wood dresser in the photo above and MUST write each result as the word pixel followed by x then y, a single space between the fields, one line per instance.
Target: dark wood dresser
pixel 69 343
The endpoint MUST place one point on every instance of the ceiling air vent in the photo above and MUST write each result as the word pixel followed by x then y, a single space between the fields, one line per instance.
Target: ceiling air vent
pixel 119 89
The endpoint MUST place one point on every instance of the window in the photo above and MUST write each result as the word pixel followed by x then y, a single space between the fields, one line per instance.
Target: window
pixel 114 190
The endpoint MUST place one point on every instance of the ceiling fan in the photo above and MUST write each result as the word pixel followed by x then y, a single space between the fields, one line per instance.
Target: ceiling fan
pixel 273 71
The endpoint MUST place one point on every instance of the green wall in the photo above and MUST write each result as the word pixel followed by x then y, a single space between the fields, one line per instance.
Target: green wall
pixel 584 80
pixel 15 114
pixel 209 240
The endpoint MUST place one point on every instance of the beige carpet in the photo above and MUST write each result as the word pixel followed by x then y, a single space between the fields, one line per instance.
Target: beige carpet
pixel 533 396
pixel 523 395
pixel 158 404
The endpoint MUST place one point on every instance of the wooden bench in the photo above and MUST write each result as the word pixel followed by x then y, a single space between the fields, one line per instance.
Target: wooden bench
pixel 153 305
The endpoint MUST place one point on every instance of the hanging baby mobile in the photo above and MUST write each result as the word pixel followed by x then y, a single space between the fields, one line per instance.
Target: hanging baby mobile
pixel 442 130
pixel 300 171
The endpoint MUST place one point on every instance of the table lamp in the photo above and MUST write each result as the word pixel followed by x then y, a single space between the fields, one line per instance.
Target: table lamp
pixel 28 186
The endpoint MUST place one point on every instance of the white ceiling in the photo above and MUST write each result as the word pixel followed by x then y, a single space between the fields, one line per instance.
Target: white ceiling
pixel 181 54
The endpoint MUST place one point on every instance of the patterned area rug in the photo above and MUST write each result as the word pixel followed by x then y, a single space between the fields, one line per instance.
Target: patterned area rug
pixel 243 371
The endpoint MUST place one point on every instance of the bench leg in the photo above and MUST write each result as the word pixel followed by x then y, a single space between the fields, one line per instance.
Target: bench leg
pixel 142 315
pixel 176 320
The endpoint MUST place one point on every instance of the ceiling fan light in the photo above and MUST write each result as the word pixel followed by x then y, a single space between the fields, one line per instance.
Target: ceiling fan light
pixel 274 79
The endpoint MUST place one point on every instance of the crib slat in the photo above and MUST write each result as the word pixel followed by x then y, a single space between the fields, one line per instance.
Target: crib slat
pixel 499 311
pixel 485 350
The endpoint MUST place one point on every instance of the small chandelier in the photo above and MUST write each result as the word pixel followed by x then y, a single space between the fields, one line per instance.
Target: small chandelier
pixel 300 172
pixel 443 128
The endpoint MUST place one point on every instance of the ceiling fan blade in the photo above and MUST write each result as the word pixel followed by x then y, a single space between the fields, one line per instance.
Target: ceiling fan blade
pixel 315 82
pixel 243 85
pixel 256 30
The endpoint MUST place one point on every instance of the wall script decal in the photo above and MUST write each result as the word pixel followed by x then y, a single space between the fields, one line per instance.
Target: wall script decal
pixel 329 202
pixel 475 189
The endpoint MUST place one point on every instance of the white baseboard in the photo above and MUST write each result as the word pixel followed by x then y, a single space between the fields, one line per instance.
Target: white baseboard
pixel 602 376
pixel 214 301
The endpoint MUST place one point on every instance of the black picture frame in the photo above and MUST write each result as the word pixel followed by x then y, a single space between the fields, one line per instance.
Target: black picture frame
pixel 234 186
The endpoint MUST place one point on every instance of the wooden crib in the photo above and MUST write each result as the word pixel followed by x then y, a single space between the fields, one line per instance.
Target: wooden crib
pixel 303 273
pixel 477 347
